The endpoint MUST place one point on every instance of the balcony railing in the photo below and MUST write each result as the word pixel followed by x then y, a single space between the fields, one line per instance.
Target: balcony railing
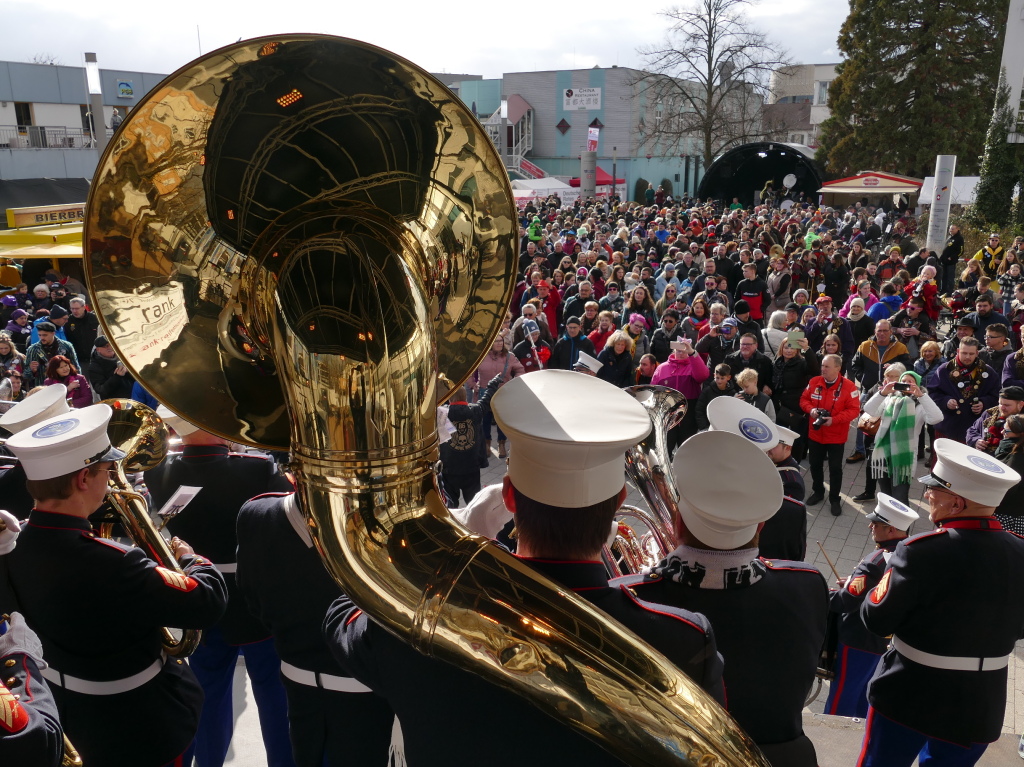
pixel 45 137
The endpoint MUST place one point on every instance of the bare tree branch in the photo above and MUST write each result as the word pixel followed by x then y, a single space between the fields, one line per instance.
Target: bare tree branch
pixel 708 82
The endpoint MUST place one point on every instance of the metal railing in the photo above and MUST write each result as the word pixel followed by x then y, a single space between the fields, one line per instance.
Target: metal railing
pixel 45 137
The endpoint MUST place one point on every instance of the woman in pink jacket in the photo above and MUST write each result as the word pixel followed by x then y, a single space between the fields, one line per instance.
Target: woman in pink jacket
pixel 498 360
pixel 685 372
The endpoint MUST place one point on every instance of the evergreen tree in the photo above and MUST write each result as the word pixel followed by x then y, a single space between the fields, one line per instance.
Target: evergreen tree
pixel 999 165
pixel 909 87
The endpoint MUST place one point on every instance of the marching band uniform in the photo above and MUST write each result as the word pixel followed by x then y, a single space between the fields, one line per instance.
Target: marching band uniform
pixel 943 692
pixel 784 535
pixel 859 649
pixel 742 593
pixel 98 607
pixel 334 720
pixel 552 464
pixel 227 480
pixel 46 403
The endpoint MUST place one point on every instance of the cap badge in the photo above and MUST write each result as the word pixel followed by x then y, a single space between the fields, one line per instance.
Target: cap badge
pixel 986 464
pixel 55 429
pixel 754 430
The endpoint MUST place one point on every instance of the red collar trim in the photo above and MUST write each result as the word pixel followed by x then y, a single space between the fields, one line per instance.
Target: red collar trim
pixel 972 523
pixel 459 402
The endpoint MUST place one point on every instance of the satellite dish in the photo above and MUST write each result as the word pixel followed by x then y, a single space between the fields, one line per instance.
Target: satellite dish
pixel 789 181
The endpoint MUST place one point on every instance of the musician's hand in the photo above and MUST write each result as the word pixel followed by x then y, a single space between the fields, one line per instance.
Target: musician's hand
pixel 20 638
pixel 181 549
pixel 10 527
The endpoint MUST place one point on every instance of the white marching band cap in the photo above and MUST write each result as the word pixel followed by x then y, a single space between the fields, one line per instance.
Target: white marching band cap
pixel 738 417
pixel 182 427
pixel 565 456
pixel 589 362
pixel 719 510
pixel 970 473
pixel 65 443
pixel 889 511
pixel 46 403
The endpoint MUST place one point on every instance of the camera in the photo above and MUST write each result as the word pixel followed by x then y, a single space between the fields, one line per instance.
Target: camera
pixel 900 386
pixel 820 416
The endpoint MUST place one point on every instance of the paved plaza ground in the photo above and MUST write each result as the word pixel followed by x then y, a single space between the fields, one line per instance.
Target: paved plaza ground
pixel 845 539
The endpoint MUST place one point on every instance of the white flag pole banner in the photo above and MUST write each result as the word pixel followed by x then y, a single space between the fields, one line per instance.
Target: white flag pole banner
pixel 942 197
pixel 593 134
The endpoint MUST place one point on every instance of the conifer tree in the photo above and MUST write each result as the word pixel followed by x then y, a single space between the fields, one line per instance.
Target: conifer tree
pixel 1000 168
pixel 916 83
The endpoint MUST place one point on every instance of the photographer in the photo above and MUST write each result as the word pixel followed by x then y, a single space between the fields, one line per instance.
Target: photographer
pixel 108 376
pixel 720 340
pixel 831 403
pixel 685 372
pixel 904 408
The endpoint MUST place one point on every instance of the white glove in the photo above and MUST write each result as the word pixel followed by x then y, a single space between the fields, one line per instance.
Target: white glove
pixel 486 513
pixel 20 639
pixel 9 535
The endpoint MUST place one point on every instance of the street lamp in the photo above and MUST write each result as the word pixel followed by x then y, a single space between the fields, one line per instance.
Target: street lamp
pixel 615 155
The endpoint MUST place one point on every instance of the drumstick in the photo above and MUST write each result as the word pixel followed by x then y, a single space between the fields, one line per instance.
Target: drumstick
pixel 838 576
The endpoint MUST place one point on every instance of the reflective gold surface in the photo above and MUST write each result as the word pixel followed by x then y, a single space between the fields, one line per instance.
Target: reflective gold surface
pixel 288 241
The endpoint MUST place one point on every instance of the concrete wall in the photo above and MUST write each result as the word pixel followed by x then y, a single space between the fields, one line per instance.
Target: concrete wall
pixel 41 83
pixel 47 163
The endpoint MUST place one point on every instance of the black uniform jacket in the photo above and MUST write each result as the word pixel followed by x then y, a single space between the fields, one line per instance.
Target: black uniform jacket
pixel 284 582
pixel 784 536
pixel 208 522
pixel 770 634
pixel 847 601
pixel 957 591
pixel 431 696
pixel 30 734
pixel 98 607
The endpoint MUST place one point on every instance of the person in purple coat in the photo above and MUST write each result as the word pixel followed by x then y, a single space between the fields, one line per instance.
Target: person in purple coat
pixel 963 388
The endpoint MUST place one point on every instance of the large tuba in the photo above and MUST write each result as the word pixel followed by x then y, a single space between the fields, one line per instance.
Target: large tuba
pixel 144 437
pixel 288 240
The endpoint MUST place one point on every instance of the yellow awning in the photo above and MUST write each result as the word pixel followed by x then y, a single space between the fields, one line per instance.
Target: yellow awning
pixel 43 250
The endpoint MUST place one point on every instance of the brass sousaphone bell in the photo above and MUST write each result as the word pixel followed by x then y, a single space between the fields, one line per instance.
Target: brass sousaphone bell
pixel 288 240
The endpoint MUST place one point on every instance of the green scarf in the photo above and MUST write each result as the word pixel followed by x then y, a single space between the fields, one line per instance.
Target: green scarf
pixel 895 447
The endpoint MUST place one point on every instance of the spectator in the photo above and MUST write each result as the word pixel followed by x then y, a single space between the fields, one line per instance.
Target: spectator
pixel 532 352
pixel 1008 283
pixel 460 454
pixel 10 358
pixel 869 363
pixel 831 403
pixel 574 306
pixel 685 372
pixel 865 293
pixel 904 413
pixel 780 283
pixel 990 255
pixel 861 325
pixel 986 433
pixel 984 314
pixel 751 393
pixel 746 323
pixel 567 350
pixel 966 327
pixel 754 290
pixel 950 257
pixel 912 326
pixel 19 330
pixel 1010 511
pixel 721 385
pixel 108 376
pixel 59 370
pixel 39 354
pixel 498 360
pixel 694 324
pixel 826 321
pixel 775 334
pixel 530 312
pixel 81 328
pixel 612 301
pixel 888 304
pixel 964 387
pixel 636 329
pixel 747 356
pixel 997 346
pixel 57 316
pixel 605 328
pixel 645 370
pixel 669 331
pixel 617 360
pixel 666 278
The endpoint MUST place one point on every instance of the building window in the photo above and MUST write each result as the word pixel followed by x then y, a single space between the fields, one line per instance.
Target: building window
pixel 22 113
pixel 86 126
pixel 823 91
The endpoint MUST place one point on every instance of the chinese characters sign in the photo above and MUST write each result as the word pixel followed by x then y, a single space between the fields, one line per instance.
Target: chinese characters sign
pixel 581 98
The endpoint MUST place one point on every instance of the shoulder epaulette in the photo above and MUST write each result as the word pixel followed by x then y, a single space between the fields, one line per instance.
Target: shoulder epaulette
pixel 923 536
pixel 790 564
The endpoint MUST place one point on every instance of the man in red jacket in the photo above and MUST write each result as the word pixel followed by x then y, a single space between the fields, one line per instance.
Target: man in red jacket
pixel 832 403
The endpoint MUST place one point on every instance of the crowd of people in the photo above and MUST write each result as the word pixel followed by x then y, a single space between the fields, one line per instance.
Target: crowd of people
pixel 782 328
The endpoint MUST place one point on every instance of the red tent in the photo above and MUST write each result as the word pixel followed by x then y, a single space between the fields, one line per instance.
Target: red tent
pixel 601 178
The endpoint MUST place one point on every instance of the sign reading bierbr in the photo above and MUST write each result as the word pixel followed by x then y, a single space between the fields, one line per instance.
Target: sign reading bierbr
pixel 581 98
pixel 46 214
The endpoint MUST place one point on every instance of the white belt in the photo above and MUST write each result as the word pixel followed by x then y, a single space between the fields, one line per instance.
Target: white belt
pixel 949 662
pixel 115 687
pixel 324 681
pixel 233 567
